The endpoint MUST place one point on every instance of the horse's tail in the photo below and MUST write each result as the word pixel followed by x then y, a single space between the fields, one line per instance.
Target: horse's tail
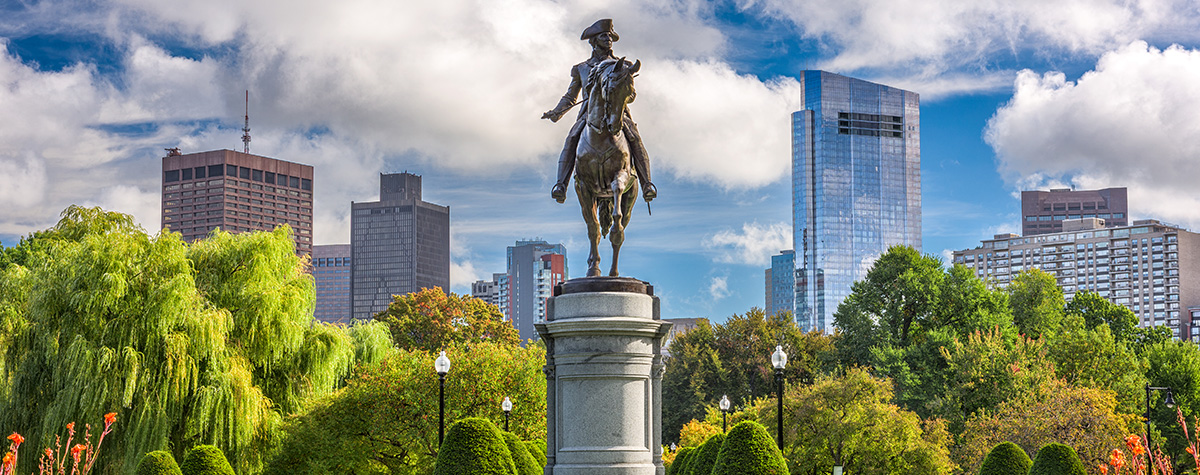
pixel 605 206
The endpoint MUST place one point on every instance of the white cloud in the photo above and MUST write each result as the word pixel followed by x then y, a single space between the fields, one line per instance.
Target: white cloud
pixel 925 38
pixel 718 288
pixel 131 200
pixel 1130 122
pixel 753 246
pixel 22 181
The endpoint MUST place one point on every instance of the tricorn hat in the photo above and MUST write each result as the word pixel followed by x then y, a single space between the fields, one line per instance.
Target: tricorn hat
pixel 600 26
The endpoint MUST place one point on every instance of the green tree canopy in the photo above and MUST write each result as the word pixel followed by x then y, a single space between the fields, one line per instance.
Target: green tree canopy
pixel 1056 459
pixel 850 421
pixel 189 344
pixel 1037 303
pixel 386 419
pixel 432 320
pixel 749 450
pixel 206 460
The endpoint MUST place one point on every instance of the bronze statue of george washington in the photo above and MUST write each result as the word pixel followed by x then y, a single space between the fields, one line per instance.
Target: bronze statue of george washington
pixel 601 36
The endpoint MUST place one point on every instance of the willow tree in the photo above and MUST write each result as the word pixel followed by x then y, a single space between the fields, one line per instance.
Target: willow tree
pixel 209 343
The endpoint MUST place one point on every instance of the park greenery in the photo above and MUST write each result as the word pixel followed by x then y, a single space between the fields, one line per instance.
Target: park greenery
pixel 209 348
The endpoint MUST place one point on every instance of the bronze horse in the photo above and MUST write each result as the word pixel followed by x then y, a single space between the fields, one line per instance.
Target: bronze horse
pixel 604 179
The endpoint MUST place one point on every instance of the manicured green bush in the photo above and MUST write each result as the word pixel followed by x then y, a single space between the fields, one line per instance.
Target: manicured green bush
pixel 749 450
pixel 526 465
pixel 158 462
pixel 1006 459
pixel 205 460
pixel 705 457
pixel 537 448
pixel 1057 459
pixel 474 445
pixel 681 458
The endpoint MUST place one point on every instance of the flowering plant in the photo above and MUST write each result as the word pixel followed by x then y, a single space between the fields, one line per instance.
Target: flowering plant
pixel 53 462
pixel 1159 464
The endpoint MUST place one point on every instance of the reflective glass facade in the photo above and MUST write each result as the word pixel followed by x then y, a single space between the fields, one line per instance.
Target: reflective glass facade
pixel 781 282
pixel 856 186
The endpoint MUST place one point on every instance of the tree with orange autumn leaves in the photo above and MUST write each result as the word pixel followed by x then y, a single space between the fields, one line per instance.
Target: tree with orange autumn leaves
pixel 432 320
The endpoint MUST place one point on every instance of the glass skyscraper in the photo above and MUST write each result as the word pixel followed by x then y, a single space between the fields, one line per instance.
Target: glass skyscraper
pixel 856 186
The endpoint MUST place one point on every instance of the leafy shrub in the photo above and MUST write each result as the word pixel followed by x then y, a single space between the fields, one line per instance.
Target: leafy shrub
pixel 1006 458
pixel 206 460
pixel 159 462
pixel 681 459
pixel 474 445
pixel 526 465
pixel 537 449
pixel 749 450
pixel 1057 459
pixel 706 456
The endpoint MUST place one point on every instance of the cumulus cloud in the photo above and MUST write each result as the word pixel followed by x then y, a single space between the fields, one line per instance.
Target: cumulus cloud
pixel 1129 122
pixel 718 288
pixel 753 245
pixel 929 37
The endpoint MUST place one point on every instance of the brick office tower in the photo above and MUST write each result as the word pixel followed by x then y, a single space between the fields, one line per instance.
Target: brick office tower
pixel 237 192
pixel 398 245
pixel 1043 212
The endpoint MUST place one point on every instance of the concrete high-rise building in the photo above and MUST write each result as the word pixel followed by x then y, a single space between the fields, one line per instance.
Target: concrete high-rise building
pixel 1043 212
pixel 488 290
pixel 781 283
pixel 1150 267
pixel 399 244
pixel 534 268
pixel 856 186
pixel 237 192
pixel 331 270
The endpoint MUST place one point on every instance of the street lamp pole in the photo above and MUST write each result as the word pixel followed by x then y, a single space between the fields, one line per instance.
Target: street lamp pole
pixel 724 405
pixel 442 366
pixel 779 361
pixel 507 406
pixel 1169 401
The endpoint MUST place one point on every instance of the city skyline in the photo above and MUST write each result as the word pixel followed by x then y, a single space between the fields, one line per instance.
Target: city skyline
pixel 454 91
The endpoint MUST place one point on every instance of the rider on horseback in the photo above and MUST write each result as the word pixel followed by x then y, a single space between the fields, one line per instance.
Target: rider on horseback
pixel 601 36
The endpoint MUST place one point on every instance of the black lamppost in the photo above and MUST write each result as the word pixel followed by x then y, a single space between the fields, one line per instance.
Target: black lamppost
pixel 1169 401
pixel 779 360
pixel 442 366
pixel 507 406
pixel 724 405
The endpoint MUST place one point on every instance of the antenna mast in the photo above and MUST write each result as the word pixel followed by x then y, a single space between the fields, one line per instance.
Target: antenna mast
pixel 246 128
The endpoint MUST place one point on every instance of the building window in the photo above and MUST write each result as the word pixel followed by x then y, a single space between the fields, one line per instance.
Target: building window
pixel 244 173
pixel 270 178
pixel 187 173
pixel 305 184
pixel 294 182
pixel 200 172
pixel 256 175
pixel 282 181
pixel 231 170
pixel 171 176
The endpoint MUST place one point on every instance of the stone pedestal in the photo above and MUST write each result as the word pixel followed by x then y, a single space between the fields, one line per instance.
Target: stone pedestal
pixel 603 378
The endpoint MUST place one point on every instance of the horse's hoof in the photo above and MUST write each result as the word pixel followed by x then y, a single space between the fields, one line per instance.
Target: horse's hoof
pixel 613 273
pixel 594 272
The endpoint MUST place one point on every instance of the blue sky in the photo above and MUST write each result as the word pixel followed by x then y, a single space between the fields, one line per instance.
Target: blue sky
pixel 1015 95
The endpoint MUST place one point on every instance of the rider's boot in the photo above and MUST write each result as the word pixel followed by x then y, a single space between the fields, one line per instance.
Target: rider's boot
pixel 641 161
pixel 566 164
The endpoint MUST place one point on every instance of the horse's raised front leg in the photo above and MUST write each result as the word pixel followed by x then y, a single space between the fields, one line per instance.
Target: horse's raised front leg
pixel 587 204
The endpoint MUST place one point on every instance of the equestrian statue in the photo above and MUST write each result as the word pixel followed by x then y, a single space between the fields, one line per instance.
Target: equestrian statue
pixel 603 147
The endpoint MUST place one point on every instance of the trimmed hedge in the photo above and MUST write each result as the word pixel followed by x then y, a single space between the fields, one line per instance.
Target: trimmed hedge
pixel 1006 459
pixel 681 459
pixel 749 450
pixel 537 448
pixel 206 460
pixel 525 463
pixel 705 457
pixel 474 445
pixel 158 462
pixel 1057 459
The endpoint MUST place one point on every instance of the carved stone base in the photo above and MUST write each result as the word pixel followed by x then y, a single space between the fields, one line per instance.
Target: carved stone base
pixel 604 378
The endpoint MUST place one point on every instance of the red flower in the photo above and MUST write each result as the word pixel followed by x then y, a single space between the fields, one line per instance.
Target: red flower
pixel 76 450
pixel 1117 459
pixel 71 426
pixel 109 419
pixel 16 438
pixel 1104 469
pixel 9 459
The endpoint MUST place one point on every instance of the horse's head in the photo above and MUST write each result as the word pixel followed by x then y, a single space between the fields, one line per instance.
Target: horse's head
pixel 616 90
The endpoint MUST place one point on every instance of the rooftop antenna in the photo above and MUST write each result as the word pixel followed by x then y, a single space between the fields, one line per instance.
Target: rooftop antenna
pixel 246 128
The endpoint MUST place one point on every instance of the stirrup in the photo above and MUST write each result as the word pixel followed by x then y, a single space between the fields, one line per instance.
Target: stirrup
pixel 649 191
